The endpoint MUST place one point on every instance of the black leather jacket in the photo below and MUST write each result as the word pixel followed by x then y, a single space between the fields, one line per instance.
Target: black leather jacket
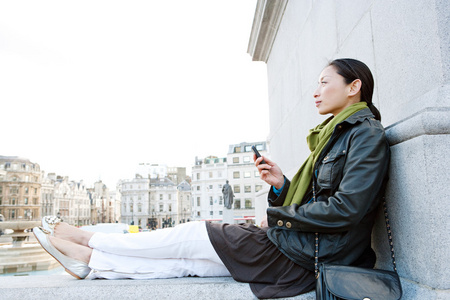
pixel 349 183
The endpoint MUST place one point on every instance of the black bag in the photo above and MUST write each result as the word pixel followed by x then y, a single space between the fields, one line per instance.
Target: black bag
pixel 336 282
pixel 344 282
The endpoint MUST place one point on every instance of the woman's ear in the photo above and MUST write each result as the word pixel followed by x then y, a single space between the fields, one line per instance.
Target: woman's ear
pixel 355 87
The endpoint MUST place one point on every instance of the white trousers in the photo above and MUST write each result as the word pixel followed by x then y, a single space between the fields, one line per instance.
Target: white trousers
pixel 173 252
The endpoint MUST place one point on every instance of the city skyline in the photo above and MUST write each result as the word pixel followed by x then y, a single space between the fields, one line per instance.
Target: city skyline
pixel 90 93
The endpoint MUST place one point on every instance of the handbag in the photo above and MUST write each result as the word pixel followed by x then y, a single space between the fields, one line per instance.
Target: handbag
pixel 339 282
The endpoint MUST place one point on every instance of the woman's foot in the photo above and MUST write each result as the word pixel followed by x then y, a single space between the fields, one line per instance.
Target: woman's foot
pixel 72 250
pixel 75 266
pixel 72 234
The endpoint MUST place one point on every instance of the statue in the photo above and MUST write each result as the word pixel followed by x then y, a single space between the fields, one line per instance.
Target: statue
pixel 227 195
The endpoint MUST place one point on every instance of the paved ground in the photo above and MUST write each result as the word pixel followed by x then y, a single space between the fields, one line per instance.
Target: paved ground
pixel 66 287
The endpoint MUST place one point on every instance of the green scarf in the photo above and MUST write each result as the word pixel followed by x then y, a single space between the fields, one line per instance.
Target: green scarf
pixel 317 138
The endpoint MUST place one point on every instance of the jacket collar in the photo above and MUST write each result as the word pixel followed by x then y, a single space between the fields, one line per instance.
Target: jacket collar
pixel 359 116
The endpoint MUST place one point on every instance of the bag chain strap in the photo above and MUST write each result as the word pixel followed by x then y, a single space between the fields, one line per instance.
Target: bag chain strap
pixel 388 228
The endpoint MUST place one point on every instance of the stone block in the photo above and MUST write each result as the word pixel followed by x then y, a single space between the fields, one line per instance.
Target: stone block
pixel 348 16
pixel 416 197
pixel 407 52
pixel 66 287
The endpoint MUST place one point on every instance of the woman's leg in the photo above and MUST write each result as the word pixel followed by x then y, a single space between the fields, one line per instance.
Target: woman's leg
pixel 72 234
pixel 186 241
pixel 72 250
pixel 111 266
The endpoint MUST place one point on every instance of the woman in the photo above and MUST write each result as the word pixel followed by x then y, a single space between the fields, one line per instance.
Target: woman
pixel 335 193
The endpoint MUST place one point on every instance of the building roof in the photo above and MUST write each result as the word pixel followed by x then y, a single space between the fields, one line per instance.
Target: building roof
pixel 184 186
pixel 14 158
pixel 161 181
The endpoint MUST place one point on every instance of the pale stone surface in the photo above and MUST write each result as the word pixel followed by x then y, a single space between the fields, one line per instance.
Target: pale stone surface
pixel 228 215
pixel 66 287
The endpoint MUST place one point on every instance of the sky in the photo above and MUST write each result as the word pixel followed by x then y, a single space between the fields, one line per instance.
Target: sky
pixel 90 89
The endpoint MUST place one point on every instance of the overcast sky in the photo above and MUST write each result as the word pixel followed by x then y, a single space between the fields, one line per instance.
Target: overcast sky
pixel 89 89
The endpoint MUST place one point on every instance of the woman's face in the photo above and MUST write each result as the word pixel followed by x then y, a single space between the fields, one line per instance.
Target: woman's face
pixel 332 95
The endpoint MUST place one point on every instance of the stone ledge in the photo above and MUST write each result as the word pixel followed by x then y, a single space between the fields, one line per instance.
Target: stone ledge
pixel 66 287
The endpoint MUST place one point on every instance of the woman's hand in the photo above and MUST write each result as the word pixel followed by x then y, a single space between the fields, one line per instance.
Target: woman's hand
pixel 264 222
pixel 269 172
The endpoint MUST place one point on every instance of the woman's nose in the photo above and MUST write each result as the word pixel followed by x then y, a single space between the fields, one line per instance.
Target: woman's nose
pixel 316 93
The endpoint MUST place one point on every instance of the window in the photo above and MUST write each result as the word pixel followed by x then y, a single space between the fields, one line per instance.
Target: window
pixel 210 212
pixel 13 190
pixel 237 149
pixel 247 188
pixel 219 173
pixel 1 201
pixel 170 196
pixel 198 214
pixel 210 174
pixel 26 201
pixel 160 196
pixel 198 201
pixel 247 174
pixel 248 148
pixel 246 159
pixel 12 214
pixel 13 201
pixel 220 200
pixel 236 174
pixel 237 204
pixel 237 188
pixel 259 147
pixel 26 190
pixel 170 207
pixel 220 213
pixel 235 160
pixel 211 201
pixel 258 187
pixel 139 207
pixel 35 191
pixel 198 176
pixel 211 186
pixel 131 207
pixel 161 207
pixel 248 203
pixel 256 174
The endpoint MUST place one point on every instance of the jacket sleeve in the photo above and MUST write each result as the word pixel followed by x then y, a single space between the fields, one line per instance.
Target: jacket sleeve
pixel 364 171
pixel 275 200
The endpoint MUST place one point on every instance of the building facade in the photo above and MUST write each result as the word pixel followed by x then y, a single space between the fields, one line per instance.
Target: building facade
pixel 184 203
pixel 135 203
pixel 208 177
pixel 47 195
pixel 20 189
pixel 72 202
pixel 163 203
pixel 244 178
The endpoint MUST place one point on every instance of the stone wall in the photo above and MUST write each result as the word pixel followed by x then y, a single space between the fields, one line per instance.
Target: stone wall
pixel 406 45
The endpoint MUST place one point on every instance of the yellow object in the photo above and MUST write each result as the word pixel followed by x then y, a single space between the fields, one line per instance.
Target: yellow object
pixel 133 229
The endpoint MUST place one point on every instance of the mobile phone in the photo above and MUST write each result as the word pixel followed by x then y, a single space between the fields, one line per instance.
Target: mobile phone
pixel 257 154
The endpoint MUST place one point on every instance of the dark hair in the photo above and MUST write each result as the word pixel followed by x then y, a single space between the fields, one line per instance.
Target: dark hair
pixel 352 69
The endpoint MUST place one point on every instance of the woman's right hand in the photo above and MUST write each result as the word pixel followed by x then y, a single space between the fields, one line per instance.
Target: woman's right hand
pixel 269 172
